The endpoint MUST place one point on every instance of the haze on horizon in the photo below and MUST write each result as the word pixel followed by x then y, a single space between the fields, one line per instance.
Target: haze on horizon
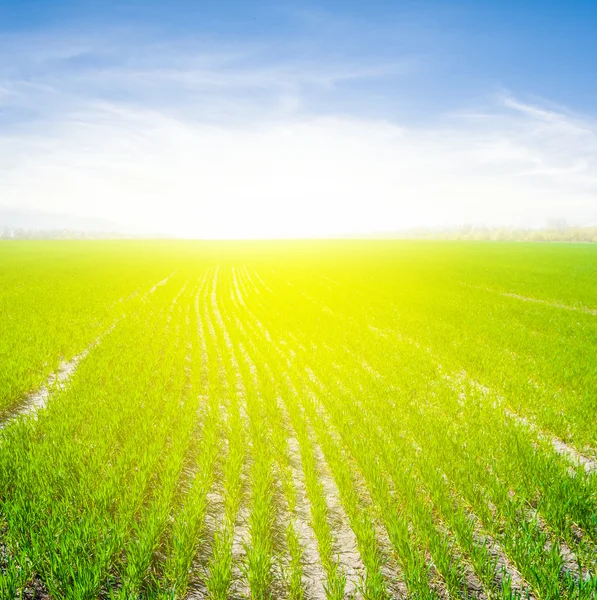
pixel 287 119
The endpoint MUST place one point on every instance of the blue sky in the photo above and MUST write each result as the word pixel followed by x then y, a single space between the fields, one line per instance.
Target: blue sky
pixel 300 118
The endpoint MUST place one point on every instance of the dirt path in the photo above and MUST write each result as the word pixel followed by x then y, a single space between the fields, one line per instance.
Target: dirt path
pixel 58 380
pixel 563 449
pixel 582 309
pixel 160 283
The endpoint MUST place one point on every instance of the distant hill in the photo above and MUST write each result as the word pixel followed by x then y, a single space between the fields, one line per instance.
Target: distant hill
pixel 17 223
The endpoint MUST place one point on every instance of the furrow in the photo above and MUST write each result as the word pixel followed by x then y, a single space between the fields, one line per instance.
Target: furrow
pixel 343 543
pixel 301 568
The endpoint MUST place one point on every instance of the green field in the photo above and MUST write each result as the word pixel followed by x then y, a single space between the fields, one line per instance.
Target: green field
pixel 377 419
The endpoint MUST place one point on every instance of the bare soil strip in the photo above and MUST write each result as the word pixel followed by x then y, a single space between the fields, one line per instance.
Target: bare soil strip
pixel 258 277
pixel 214 517
pixel 570 563
pixel 345 540
pixel 561 447
pixel 160 283
pixel 391 570
pixel 313 572
pixel 345 543
pixel 58 380
pixel 503 564
pixel 474 587
pixel 583 309
pixel 240 586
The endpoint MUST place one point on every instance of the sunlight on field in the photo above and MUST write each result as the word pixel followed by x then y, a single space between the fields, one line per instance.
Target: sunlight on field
pixel 297 420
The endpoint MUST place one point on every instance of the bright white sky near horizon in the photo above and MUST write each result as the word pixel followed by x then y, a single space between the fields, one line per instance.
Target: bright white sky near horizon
pixel 285 119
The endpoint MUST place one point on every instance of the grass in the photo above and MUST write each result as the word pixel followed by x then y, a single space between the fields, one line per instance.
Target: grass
pixel 403 414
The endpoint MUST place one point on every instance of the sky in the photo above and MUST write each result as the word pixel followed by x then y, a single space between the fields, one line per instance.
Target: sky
pixel 237 119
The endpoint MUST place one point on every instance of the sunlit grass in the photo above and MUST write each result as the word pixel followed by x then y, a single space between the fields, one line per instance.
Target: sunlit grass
pixel 301 420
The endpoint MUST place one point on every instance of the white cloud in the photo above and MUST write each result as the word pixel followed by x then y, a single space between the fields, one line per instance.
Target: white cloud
pixel 244 159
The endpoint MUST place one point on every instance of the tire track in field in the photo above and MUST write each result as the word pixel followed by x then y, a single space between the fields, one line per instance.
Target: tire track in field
pixel 35 588
pixel 562 448
pixel 576 458
pixel 456 381
pixel 78 417
pixel 571 454
pixel 159 284
pixel 56 381
pixel 570 562
pixel 59 379
pixel 582 309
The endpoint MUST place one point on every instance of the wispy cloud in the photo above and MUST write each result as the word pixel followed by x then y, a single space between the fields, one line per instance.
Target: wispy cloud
pixel 223 140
